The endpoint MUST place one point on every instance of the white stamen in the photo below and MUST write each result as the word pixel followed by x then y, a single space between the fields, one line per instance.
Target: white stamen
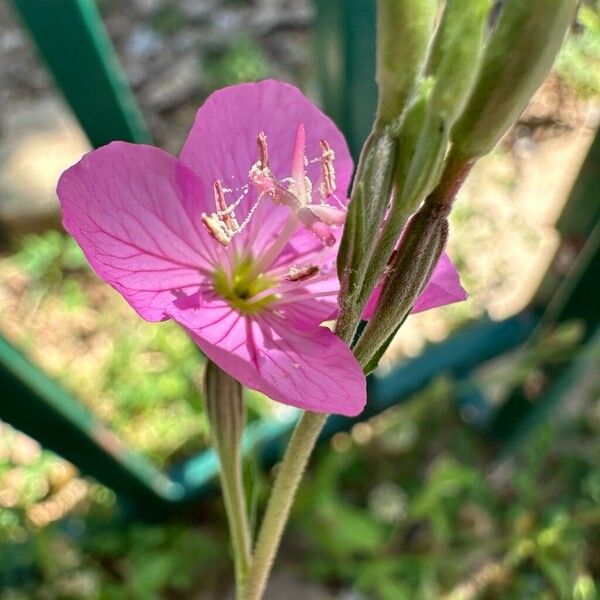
pixel 263 149
pixel 271 254
pixel 226 215
pixel 295 192
pixel 327 186
pixel 289 298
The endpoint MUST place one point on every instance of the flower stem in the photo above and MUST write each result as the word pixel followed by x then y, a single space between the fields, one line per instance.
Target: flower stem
pixel 454 175
pixel 226 411
pixel 237 518
pixel 288 478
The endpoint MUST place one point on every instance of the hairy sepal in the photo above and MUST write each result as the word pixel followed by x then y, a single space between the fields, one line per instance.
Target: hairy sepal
pixel 409 272
pixel 223 398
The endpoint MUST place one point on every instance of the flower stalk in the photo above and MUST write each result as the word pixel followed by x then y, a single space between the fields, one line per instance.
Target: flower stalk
pixel 223 398
pixel 289 474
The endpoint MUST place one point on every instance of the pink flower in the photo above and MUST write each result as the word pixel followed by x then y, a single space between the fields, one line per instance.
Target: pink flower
pixel 236 240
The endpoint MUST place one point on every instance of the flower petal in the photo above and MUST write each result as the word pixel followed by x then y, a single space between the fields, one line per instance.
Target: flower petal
pixel 308 368
pixel 222 145
pixel 443 288
pixel 131 209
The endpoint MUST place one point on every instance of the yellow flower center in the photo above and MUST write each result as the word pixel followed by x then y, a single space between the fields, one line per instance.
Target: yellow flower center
pixel 243 285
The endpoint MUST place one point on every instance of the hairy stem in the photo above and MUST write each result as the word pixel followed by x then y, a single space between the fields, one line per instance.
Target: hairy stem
pixel 237 517
pixel 288 478
pixel 225 408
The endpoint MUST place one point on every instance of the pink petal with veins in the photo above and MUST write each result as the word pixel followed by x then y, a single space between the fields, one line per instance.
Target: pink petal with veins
pixel 129 208
pixel 443 288
pixel 308 368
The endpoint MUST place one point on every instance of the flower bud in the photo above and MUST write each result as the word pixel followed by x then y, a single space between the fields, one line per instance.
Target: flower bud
pixel 370 199
pixel 452 70
pixel 411 268
pixel 404 30
pixel 455 56
pixel 401 206
pixel 425 148
pixel 226 411
pixel 517 59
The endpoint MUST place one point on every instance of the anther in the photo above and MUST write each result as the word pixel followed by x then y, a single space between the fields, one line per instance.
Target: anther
pixel 301 273
pixel 327 185
pixel 225 213
pixel 216 228
pixel 263 150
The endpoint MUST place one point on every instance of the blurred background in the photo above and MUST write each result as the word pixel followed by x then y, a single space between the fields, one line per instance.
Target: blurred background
pixel 416 502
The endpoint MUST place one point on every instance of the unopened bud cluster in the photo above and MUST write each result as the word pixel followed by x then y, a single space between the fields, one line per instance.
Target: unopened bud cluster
pixel 451 80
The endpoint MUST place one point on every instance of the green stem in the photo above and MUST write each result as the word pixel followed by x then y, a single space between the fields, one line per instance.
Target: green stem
pixel 455 172
pixel 237 517
pixel 286 484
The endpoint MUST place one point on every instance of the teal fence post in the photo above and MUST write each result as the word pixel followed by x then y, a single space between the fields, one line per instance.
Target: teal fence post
pixel 35 404
pixel 72 40
pixel 345 43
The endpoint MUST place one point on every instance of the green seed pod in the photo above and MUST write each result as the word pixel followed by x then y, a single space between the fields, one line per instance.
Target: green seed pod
pixel 226 413
pixel 404 30
pixel 456 54
pixel 516 61
pixel 409 272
